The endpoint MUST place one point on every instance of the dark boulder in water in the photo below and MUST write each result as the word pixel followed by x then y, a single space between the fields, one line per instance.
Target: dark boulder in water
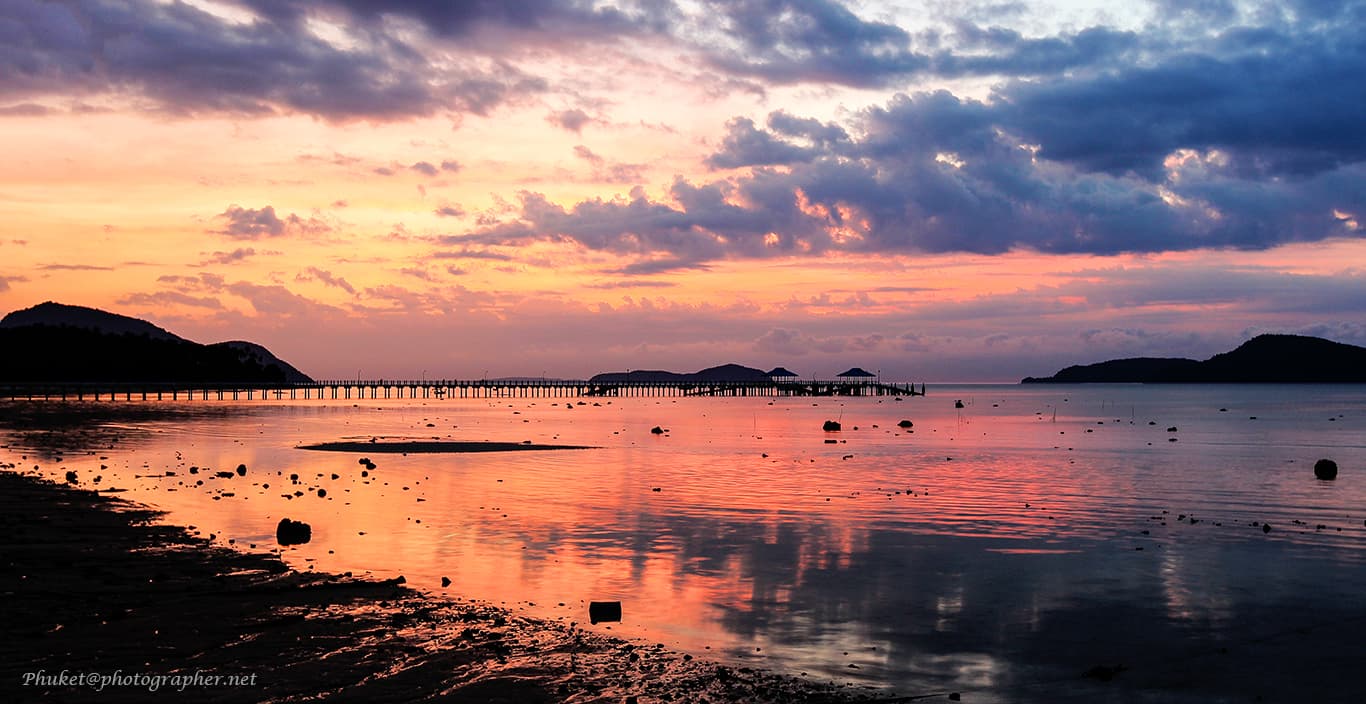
pixel 958 403
pixel 830 426
pixel 293 532
pixel 905 424
pixel 600 611
pixel 241 470
pixel 657 430
pixel 1326 469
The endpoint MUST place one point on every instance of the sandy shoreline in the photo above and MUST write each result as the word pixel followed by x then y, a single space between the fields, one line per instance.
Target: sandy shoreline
pixel 93 585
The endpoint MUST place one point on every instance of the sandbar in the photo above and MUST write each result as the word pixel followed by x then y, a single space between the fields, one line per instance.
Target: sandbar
pixel 435 446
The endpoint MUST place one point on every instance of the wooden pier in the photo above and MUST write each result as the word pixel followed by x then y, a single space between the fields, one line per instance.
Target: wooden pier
pixel 342 389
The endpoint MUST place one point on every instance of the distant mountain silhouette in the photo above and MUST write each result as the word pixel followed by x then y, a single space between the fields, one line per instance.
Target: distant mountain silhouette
pixel 723 373
pixel 57 342
pixel 252 354
pixel 1263 359
pixel 62 315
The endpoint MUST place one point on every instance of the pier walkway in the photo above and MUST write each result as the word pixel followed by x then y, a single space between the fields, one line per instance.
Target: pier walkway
pixel 438 389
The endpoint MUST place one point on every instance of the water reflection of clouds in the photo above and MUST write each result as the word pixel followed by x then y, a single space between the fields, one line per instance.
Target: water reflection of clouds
pixel 969 587
pixel 926 612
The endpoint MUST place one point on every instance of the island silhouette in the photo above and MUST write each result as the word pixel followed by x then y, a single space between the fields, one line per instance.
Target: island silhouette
pixel 1287 359
pixel 58 342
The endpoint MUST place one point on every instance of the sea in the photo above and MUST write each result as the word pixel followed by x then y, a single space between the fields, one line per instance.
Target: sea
pixel 1006 543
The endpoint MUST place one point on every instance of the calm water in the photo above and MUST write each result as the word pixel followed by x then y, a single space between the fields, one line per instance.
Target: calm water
pixel 1001 550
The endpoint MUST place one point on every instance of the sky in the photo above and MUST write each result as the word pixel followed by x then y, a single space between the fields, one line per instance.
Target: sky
pixel 934 191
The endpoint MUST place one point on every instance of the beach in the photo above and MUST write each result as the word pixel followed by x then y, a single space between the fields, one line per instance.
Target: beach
pixel 104 603
pixel 1039 544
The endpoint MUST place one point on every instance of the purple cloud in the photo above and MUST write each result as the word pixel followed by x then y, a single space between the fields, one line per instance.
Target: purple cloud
pixel 571 120
pixel 251 223
pixel 326 277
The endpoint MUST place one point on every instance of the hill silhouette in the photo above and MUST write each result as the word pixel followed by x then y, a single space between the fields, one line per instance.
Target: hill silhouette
pixel 724 373
pixel 1263 359
pixel 53 342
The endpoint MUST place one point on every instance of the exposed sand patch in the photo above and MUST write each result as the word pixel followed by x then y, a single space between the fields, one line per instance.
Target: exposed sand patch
pixel 434 446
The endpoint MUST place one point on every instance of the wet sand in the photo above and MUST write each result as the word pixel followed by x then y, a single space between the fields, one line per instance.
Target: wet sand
pixel 93 584
pixel 435 446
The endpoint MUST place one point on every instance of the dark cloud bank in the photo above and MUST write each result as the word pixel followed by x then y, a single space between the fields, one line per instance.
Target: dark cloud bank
pixel 1252 143
pixel 1246 134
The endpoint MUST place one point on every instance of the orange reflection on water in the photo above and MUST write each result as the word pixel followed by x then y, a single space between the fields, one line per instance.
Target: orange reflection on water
pixel 919 556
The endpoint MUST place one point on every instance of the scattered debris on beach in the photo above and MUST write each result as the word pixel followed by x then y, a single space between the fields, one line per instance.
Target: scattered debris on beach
pixel 306 635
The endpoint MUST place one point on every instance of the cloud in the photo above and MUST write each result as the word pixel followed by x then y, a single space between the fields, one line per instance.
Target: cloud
pixel 785 342
pixel 746 145
pixel 236 255
pixel 608 285
pixel 610 171
pixel 413 58
pixel 450 165
pixel 467 253
pixel 997 51
pixel 25 110
pixel 467 20
pixel 186 60
pixel 279 303
pixel 424 168
pixel 314 273
pixel 1186 150
pixel 75 267
pixel 452 210
pixel 791 41
pixel 571 120
pixel 255 223
pixel 161 299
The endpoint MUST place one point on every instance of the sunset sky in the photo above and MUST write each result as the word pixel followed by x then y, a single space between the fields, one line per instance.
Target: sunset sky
pixel 937 191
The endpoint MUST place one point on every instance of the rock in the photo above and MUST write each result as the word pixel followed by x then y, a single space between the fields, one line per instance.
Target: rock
pixel 958 403
pixel 293 532
pixel 322 493
pixel 1266 527
pixel 1171 429
pixel 225 475
pixel 831 426
pixel 71 476
pixel 905 424
pixel 604 611
pixel 241 470
pixel 1326 469
pixel 445 582
pixel 1104 673
pixel 657 430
